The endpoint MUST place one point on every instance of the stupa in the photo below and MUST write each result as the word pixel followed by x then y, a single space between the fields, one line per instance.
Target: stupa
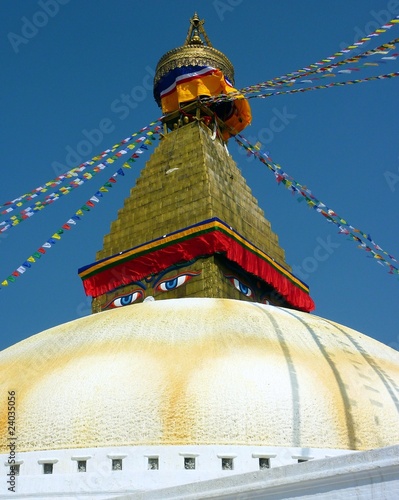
pixel 200 360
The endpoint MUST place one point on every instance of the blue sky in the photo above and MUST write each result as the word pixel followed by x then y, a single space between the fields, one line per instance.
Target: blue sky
pixel 65 73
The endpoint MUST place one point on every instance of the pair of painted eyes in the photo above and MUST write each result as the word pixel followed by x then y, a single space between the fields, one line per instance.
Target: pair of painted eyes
pixel 163 286
pixel 244 289
pixel 241 287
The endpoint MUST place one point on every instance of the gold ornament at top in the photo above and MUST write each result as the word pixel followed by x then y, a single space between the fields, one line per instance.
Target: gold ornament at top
pixel 196 51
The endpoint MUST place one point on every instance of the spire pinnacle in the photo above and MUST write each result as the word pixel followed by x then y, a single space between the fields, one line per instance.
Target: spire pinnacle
pixel 195 31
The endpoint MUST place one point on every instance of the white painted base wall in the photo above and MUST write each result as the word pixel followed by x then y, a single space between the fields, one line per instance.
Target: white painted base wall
pixel 367 475
pixel 101 482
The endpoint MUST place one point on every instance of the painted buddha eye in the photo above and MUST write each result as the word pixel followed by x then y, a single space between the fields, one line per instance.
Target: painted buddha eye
pixel 241 287
pixel 175 282
pixel 125 300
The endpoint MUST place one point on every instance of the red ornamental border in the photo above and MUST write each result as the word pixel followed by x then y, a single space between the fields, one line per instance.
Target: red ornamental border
pixel 206 244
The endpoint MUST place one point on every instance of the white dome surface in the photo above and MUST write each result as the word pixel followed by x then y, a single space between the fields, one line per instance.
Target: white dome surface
pixel 199 372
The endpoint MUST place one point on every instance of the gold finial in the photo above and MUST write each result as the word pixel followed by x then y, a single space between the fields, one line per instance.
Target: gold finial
pixel 196 51
pixel 195 31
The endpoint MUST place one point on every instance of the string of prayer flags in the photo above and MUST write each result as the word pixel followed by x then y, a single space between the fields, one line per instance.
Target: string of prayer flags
pixel 74 172
pixel 223 98
pixel 320 68
pixel 77 216
pixel 362 238
pixel 328 71
pixel 382 29
pixel 29 211
pixel 329 85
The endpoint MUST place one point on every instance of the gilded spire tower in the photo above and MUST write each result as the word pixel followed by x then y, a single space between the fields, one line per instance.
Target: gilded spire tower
pixel 191 226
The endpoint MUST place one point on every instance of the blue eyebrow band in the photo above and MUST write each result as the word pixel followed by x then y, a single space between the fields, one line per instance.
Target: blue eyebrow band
pixel 172 268
pixel 138 283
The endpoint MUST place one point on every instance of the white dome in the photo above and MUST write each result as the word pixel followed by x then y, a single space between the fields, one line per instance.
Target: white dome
pixel 199 372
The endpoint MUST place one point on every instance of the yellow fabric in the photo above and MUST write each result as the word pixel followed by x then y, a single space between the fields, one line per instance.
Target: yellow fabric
pixel 240 119
pixel 210 86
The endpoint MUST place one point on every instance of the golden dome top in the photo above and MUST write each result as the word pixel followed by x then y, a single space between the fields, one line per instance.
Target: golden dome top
pixel 196 51
pixel 201 371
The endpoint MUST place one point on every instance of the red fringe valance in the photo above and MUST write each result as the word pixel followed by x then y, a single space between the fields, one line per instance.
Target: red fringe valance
pixel 204 239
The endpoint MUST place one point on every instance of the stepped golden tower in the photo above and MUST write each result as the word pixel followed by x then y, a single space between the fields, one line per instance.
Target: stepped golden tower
pixel 192 202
